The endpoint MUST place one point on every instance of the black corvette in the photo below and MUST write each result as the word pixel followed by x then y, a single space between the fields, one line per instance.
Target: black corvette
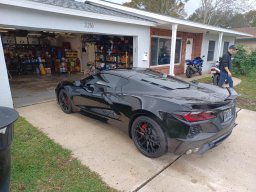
pixel 161 113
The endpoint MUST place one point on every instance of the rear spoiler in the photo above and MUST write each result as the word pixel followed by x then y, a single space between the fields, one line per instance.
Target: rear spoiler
pixel 232 94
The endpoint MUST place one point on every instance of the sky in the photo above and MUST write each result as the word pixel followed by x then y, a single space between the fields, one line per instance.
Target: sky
pixel 190 6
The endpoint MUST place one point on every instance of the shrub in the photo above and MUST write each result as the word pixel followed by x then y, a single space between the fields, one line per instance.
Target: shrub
pixel 244 62
pixel 253 58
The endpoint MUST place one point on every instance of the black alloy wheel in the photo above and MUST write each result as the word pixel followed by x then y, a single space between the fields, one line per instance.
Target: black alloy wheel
pixel 148 137
pixel 215 79
pixel 189 72
pixel 200 71
pixel 65 102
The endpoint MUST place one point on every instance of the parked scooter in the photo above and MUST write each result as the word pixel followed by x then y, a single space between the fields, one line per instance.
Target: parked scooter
pixel 194 66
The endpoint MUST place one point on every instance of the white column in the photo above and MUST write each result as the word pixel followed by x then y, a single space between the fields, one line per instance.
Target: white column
pixel 135 52
pixel 5 91
pixel 173 46
pixel 219 46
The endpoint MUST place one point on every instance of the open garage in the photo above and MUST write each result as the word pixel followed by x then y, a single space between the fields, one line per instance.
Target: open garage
pixel 42 45
pixel 37 60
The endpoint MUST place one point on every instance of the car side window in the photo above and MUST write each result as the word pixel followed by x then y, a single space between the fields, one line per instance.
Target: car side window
pixel 91 80
pixel 86 80
pixel 89 84
pixel 115 82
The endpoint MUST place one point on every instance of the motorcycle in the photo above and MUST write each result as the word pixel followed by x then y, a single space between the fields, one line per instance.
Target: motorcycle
pixel 215 71
pixel 194 66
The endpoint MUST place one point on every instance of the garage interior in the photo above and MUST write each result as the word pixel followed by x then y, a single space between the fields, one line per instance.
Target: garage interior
pixel 37 60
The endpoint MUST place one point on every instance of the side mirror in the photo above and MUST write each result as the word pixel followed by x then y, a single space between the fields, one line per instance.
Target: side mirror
pixel 89 88
pixel 203 56
pixel 102 84
pixel 77 83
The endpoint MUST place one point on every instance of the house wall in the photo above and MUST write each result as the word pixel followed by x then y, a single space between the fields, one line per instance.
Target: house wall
pixel 212 37
pixel 197 44
pixel 249 44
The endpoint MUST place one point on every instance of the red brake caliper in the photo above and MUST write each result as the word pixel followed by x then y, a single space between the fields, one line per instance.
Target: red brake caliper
pixel 143 127
pixel 67 100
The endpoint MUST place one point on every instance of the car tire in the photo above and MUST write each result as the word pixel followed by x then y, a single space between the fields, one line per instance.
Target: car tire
pixel 188 72
pixel 215 80
pixel 148 137
pixel 65 102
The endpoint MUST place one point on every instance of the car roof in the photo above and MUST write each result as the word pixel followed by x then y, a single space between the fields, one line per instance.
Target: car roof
pixel 126 73
pixel 143 75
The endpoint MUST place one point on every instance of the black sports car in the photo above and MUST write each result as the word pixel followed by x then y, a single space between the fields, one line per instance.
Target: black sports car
pixel 161 113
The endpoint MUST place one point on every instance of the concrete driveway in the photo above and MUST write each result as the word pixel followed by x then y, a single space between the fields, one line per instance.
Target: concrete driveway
pixel 32 89
pixel 108 151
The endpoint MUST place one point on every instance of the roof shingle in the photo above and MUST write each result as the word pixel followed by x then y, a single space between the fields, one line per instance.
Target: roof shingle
pixel 249 30
pixel 88 7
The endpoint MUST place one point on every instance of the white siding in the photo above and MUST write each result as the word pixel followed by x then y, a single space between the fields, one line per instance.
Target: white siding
pixel 5 92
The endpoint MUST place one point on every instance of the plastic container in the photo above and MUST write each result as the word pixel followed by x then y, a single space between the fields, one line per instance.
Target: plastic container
pixel 7 118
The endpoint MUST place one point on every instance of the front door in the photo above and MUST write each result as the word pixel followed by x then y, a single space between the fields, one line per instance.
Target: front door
pixel 189 48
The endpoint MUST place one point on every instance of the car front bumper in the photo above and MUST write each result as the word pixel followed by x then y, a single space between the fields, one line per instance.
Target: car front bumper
pixel 199 144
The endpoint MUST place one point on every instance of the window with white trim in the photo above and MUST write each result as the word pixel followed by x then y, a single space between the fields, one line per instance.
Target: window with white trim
pixel 211 49
pixel 225 47
pixel 161 50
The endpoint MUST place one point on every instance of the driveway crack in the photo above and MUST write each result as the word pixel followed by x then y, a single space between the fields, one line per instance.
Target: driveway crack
pixel 155 175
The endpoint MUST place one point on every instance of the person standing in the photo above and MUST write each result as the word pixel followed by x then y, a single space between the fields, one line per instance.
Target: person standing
pixel 226 67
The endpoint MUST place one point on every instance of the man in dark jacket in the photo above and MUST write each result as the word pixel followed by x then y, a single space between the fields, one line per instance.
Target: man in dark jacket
pixel 226 67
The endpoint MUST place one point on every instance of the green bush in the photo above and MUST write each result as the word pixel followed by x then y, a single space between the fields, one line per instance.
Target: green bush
pixel 253 58
pixel 244 62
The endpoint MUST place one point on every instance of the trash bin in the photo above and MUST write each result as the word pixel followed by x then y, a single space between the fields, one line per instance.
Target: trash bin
pixel 7 118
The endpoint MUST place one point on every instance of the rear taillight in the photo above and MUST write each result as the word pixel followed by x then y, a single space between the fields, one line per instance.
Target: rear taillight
pixel 196 116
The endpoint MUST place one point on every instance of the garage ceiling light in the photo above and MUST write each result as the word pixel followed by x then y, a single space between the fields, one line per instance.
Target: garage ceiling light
pixel 34 34
pixel 4 28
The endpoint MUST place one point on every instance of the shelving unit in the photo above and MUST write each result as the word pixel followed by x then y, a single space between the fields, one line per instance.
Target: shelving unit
pixel 118 59
pixel 71 59
pixel 21 59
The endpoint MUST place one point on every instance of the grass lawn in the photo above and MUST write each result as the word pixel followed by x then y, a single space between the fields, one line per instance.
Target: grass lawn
pixel 247 89
pixel 204 80
pixel 39 164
